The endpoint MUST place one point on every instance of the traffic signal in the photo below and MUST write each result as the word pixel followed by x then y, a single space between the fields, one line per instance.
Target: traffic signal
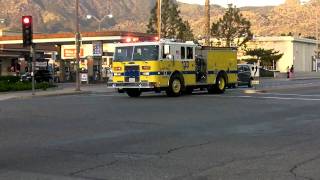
pixel 27 30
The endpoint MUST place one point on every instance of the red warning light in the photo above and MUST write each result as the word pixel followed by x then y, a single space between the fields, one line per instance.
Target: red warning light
pixel 135 39
pixel 128 39
pixel 26 20
pixel 131 39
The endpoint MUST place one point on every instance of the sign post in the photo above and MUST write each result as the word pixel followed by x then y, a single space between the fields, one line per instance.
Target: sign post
pixel 33 54
pixel 97 49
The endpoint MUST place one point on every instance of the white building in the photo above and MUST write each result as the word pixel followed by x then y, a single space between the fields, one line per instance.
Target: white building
pixel 296 51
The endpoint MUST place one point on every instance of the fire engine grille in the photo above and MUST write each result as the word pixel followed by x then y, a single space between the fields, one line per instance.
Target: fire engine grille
pixel 132 74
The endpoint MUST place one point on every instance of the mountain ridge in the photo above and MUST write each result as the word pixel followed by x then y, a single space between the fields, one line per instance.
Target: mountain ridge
pixel 132 15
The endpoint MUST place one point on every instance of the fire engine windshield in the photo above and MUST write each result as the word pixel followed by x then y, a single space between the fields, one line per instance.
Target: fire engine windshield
pixel 123 53
pixel 137 53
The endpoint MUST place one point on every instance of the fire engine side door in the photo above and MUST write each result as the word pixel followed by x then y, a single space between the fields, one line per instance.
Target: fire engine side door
pixel 166 60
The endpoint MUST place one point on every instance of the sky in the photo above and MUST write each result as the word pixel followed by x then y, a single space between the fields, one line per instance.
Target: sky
pixel 238 3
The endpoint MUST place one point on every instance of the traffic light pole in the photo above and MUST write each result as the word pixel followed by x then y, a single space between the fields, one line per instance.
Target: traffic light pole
pixel 33 55
pixel 77 47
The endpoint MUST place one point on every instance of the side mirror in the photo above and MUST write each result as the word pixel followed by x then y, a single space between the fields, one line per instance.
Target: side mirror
pixel 170 56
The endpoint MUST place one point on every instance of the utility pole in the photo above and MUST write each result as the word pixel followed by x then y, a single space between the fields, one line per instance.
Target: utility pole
pixel 77 47
pixel 159 19
pixel 317 33
pixel 207 27
pixel 33 54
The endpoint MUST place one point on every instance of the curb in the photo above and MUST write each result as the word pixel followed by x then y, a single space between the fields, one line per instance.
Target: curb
pixel 301 79
pixel 52 95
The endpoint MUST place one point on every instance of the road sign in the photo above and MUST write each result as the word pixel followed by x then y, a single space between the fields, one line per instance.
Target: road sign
pixel 84 77
pixel 97 48
pixel 71 53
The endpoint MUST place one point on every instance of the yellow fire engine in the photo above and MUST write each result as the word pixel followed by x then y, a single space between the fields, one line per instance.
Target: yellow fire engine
pixel 173 67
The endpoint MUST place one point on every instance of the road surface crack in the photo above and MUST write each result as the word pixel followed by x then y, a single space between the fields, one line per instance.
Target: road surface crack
pixel 223 164
pixel 298 165
pixel 76 152
pixel 187 147
pixel 93 168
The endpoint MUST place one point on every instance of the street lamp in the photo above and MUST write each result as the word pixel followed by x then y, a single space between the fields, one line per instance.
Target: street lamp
pixel 2 21
pixel 100 21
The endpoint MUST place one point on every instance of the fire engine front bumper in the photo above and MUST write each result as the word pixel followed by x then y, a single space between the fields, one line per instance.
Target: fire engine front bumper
pixel 140 85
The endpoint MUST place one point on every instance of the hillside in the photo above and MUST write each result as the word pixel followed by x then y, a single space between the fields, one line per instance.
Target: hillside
pixel 132 15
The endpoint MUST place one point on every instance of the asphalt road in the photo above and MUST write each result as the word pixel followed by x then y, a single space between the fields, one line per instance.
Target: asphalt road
pixel 106 136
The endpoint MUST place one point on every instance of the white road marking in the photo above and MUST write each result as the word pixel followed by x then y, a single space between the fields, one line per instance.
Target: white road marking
pixel 277 96
pixel 103 95
pixel 267 97
pixel 301 95
pixel 283 98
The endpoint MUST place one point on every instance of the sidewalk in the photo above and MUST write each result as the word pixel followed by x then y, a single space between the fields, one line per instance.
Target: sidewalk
pixel 299 76
pixel 300 80
pixel 62 89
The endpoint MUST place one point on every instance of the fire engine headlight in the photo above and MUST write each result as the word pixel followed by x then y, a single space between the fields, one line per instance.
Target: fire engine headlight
pixel 146 73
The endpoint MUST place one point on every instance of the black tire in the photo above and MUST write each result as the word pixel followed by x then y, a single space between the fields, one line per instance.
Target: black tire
pixel 232 86
pixel 175 86
pixel 120 91
pixel 188 90
pixel 219 87
pixel 133 92
pixel 250 83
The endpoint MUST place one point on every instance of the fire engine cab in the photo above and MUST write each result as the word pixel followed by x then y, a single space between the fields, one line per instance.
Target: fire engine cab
pixel 173 67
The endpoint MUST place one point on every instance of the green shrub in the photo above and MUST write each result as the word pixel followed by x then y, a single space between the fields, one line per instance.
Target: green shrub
pixel 4 86
pixel 22 86
pixel 9 79
pixel 43 85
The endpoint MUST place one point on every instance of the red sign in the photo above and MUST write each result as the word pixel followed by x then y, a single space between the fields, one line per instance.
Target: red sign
pixel 72 53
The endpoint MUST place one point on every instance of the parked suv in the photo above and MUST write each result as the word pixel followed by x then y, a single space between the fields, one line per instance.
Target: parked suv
pixel 247 73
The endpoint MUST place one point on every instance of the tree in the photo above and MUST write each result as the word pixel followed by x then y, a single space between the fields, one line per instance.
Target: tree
pixel 232 28
pixel 266 56
pixel 172 25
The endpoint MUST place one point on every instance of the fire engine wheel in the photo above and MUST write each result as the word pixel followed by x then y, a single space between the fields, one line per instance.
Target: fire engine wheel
pixel 133 92
pixel 219 87
pixel 175 87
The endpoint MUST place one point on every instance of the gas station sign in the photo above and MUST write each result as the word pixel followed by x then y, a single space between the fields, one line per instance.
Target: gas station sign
pixel 97 48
